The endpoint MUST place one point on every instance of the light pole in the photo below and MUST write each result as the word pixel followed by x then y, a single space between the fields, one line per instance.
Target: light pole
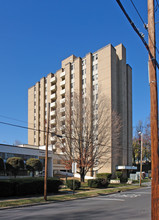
pixel 141 134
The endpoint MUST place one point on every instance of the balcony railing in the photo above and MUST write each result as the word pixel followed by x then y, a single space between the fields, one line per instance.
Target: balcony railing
pixel 62 101
pixel 62 74
pixel 53 96
pixel 54 138
pixel 53 104
pixel 62 118
pixel 53 113
pixel 53 88
pixel 62 92
pixel 53 79
pixel 62 127
pixel 53 121
pixel 62 109
pixel 62 83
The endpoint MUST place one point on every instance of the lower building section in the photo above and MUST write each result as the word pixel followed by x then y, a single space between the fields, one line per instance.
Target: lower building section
pixel 56 161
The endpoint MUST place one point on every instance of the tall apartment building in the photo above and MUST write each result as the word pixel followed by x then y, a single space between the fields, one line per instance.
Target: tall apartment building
pixel 105 73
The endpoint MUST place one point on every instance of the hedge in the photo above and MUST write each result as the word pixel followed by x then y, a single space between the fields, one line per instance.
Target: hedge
pixel 119 175
pixel 104 176
pixel 77 184
pixel 28 186
pixel 98 183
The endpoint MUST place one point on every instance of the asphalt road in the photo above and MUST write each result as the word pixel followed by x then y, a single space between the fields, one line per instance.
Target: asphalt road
pixel 130 205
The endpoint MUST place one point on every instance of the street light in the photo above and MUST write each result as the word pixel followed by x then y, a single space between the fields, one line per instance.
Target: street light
pixel 141 134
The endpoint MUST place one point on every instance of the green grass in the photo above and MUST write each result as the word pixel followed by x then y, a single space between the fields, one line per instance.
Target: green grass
pixel 54 198
pixel 146 180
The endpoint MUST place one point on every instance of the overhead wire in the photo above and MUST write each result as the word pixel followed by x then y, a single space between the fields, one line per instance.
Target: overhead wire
pixel 155 63
pixel 54 134
pixel 145 25
pixel 156 6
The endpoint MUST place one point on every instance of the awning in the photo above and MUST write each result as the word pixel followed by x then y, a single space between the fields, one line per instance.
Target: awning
pixel 121 167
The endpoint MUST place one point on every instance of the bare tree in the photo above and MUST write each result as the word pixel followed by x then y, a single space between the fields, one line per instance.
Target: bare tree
pixel 91 128
pixel 145 129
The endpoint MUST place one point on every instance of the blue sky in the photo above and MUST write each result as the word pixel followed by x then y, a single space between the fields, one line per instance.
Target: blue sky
pixel 37 34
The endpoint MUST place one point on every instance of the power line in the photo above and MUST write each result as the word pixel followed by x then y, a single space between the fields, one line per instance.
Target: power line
pixel 145 25
pixel 157 6
pixel 24 127
pixel 57 135
pixel 138 13
pixel 138 33
pixel 14 119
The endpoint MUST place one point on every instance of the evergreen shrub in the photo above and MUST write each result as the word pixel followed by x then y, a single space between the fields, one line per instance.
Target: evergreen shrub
pixel 98 183
pixel 77 184
pixel 28 186
pixel 106 176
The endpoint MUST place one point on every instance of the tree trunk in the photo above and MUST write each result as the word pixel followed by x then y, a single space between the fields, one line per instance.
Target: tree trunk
pixel 82 174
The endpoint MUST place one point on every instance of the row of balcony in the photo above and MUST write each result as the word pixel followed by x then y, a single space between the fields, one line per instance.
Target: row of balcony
pixel 53 121
pixel 53 88
pixel 53 79
pixel 53 96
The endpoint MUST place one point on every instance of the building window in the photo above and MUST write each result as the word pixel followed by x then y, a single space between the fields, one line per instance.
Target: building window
pixel 71 76
pixel 71 85
pixel 72 66
pixel 83 62
pixel 96 66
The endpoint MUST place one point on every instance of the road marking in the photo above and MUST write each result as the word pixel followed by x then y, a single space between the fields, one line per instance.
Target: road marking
pixel 125 195
pixel 109 199
pixel 141 193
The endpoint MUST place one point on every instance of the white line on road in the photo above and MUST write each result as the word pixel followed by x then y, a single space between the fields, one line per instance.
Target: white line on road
pixel 122 200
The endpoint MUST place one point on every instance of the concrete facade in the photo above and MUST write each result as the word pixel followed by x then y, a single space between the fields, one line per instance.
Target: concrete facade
pixel 103 73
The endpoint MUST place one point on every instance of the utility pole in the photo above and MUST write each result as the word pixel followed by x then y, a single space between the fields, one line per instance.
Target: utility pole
pixel 154 114
pixel 141 157
pixel 46 153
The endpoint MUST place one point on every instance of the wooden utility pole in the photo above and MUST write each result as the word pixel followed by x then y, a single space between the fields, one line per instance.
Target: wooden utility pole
pixel 154 114
pixel 46 153
pixel 141 158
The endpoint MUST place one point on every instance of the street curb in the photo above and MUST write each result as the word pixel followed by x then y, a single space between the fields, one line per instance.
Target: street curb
pixel 57 201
